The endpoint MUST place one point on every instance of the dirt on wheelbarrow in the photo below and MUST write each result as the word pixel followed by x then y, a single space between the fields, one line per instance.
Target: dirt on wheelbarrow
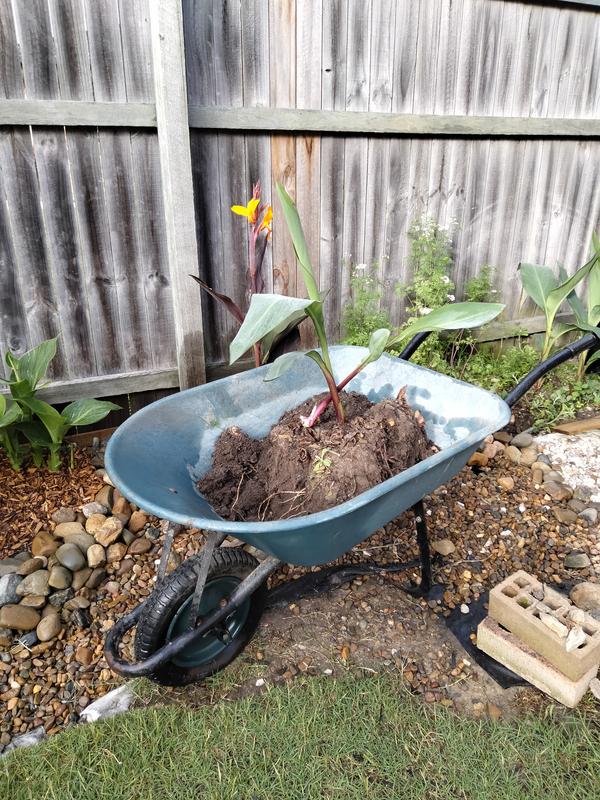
pixel 297 470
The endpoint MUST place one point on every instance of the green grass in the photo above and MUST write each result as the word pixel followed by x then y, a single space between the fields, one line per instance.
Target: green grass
pixel 352 739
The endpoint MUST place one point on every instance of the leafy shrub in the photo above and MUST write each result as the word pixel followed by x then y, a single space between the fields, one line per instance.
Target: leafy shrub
pixel 480 288
pixel 30 425
pixel 431 261
pixel 363 314
pixel 563 395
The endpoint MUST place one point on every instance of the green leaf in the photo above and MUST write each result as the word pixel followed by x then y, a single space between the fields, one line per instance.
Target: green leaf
pixel 594 286
pixel 454 316
pixel 10 413
pixel 276 335
pixel 33 365
pixel 378 341
pixel 283 364
pixel 555 297
pixel 50 417
pixel 87 411
pixel 292 218
pixel 267 312
pixel 36 434
pixel 538 281
pixel 592 358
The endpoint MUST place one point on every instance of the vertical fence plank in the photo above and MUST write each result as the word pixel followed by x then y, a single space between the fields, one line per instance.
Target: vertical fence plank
pixel 175 162
pixel 282 45
pixel 333 96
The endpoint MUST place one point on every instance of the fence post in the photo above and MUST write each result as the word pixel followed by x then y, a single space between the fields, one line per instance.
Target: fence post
pixel 168 56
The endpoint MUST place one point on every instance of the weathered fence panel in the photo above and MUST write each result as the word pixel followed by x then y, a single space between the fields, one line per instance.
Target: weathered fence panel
pixel 482 114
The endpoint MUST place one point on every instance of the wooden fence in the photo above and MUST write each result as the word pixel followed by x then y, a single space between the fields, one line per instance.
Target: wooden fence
pixel 128 126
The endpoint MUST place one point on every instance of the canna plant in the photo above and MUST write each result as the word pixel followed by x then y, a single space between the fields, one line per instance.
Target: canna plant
pixel 269 312
pixel 259 217
pixel 548 292
pixel 25 416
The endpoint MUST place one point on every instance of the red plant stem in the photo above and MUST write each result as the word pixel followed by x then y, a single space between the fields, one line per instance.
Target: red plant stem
pixel 252 237
pixel 320 408
pixel 333 398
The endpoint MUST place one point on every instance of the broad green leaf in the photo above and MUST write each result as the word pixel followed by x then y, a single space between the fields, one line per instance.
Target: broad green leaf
pixel 283 364
pixel 562 328
pixel 555 297
pixel 594 357
pixel 292 219
pixel 377 344
pixel 36 434
pixel 454 316
pixel 573 298
pixel 538 281
pixel 267 312
pixel 22 390
pixel 10 414
pixel 2 405
pixel 594 286
pixel 33 365
pixel 51 418
pixel 87 411
pixel 267 342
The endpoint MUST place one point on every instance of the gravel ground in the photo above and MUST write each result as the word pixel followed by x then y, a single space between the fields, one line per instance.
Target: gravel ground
pixel 489 521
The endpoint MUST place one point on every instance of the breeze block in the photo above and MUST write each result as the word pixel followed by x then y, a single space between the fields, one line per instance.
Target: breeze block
pixel 516 605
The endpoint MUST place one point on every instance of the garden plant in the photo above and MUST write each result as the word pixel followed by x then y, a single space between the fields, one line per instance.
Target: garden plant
pixel 29 425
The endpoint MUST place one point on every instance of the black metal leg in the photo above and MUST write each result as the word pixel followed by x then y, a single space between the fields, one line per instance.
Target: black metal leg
pixel 423 543
pixel 171 530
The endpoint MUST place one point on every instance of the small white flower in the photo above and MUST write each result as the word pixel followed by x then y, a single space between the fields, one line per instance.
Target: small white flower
pixel 445 279
pixel 424 311
pixel 451 297
pixel 361 267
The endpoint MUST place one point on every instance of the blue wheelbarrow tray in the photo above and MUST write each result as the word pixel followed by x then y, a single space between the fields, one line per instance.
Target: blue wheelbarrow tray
pixel 157 456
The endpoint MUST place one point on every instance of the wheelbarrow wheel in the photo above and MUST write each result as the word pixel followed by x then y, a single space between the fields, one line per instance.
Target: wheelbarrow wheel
pixel 167 615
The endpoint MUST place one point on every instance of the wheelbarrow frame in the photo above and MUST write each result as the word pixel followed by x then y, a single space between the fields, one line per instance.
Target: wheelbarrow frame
pixel 261 573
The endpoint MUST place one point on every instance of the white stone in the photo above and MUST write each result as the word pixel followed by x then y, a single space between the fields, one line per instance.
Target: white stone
pixel 574 639
pixel 260 682
pixel 109 705
pixel 554 624
pixel 578 457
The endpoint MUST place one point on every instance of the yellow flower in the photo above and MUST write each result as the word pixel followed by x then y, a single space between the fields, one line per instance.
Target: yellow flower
pixel 249 211
pixel 265 225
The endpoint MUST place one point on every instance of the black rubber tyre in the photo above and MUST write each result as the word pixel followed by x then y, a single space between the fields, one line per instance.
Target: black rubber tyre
pixel 165 603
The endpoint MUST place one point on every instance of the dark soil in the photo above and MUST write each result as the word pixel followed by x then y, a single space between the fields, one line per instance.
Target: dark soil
pixel 297 470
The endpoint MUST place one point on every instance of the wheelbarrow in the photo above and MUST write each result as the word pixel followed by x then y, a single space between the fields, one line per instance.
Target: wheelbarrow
pixel 201 616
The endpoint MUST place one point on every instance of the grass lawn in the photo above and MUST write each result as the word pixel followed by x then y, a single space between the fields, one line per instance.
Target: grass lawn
pixel 354 738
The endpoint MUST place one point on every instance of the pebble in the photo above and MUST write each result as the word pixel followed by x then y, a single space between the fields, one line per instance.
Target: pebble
pixel 81 618
pixel 464 608
pixel 109 532
pixel 522 440
pixel 84 655
pixel 8 566
pixel 96 556
pixel 554 624
pixel 94 522
pixel 595 688
pixel 478 460
pixel 137 521
pixel 443 546
pixel 558 491
pixel 139 546
pixel 8 589
pixel 575 638
pixel 503 436
pixel 80 578
pixel 115 552
pixel 60 577
pixel 577 560
pixel 513 454
pixel 105 496
pixel 93 508
pixel 82 540
pixel 34 601
pixel 59 598
pixel 589 515
pixel 67 528
pixel 64 515
pixel 586 595
pixel 565 515
pixel 44 544
pixel 49 627
pixel 18 617
pixel 506 482
pixel 96 578
pixel 32 565
pixel 528 457
pixel 70 556
pixel 36 583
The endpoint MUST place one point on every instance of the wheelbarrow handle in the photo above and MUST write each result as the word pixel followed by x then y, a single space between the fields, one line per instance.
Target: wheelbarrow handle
pixel 416 341
pixel 588 342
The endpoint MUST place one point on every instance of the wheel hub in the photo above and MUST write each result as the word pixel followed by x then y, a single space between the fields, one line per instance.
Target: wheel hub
pixel 214 641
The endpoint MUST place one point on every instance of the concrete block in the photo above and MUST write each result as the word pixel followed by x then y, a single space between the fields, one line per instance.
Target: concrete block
pixel 510 651
pixel 520 603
